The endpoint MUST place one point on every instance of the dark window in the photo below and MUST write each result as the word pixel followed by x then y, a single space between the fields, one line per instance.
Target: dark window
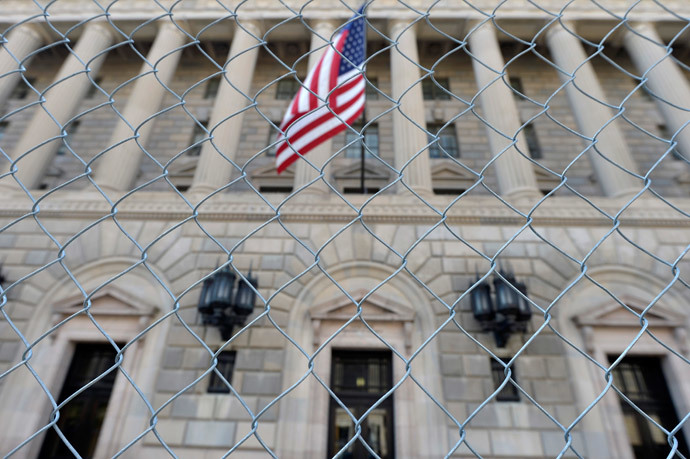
pixel 509 393
pixel 359 379
pixel 21 90
pixel 371 93
pixel 287 88
pixel 212 86
pixel 226 365
pixel 642 381
pixel 449 191
pixel 198 134
pixel 447 144
pixel 81 418
pixel 532 141
pixel 275 189
pixel 93 88
pixel 665 134
pixel 516 84
pixel 70 130
pixel 642 91
pixel 3 128
pixel 355 146
pixel 358 190
pixel 434 90
pixel 273 138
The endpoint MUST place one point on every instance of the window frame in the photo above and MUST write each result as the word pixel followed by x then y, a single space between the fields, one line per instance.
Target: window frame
pixel 212 87
pixel 432 91
pixel 70 131
pixel 226 366
pixel 509 393
pixel 532 139
pixel 354 144
pixel 283 93
pixel 438 150
pixel 198 134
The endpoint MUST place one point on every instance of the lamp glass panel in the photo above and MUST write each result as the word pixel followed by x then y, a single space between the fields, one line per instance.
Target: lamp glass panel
pixel 480 298
pixel 506 298
pixel 244 301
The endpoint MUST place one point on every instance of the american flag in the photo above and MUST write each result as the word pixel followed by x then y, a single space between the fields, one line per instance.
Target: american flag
pixel 336 99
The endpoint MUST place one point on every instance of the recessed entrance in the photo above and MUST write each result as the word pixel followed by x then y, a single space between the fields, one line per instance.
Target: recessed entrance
pixel 81 418
pixel 360 378
pixel 641 379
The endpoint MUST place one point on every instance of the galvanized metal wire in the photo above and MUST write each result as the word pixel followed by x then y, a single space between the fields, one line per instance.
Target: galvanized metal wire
pixel 35 206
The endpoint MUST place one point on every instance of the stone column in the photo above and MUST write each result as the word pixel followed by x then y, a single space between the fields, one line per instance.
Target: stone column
pixel 304 173
pixel 408 139
pixel 587 101
pixel 515 174
pixel 214 168
pixel 62 100
pixel 118 168
pixel 666 80
pixel 21 41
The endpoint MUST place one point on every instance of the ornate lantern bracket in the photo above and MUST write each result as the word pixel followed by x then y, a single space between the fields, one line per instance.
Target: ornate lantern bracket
pixel 505 312
pixel 225 306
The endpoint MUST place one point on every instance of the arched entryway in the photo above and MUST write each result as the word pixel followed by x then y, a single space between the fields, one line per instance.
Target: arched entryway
pixel 397 319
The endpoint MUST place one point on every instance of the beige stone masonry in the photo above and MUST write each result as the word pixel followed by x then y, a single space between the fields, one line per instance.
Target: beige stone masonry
pixel 119 167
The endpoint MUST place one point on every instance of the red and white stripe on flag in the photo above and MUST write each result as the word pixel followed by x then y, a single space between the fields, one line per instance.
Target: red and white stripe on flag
pixel 335 97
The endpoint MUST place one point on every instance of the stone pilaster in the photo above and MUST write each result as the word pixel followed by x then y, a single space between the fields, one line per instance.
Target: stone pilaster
pixel 305 173
pixel 119 167
pixel 214 169
pixel 21 41
pixel 61 102
pixel 665 79
pixel 516 179
pixel 408 139
pixel 587 100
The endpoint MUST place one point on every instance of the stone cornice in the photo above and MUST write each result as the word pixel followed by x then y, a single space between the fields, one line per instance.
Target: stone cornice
pixel 563 211
pixel 70 10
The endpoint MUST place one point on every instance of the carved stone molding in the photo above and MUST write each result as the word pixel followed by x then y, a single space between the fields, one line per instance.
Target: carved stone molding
pixel 247 206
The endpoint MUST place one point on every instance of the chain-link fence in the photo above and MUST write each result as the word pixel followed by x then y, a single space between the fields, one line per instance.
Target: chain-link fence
pixel 479 250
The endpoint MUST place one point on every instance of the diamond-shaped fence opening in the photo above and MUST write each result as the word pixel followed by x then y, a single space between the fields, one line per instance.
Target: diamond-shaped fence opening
pixel 328 229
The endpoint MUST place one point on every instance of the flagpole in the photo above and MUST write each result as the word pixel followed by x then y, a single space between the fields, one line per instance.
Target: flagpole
pixel 363 151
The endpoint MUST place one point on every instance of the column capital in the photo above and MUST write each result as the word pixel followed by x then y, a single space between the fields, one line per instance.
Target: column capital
pixel 105 28
pixel 396 26
pixel 563 26
pixel 32 28
pixel 643 30
pixel 323 27
pixel 254 27
pixel 641 26
pixel 167 24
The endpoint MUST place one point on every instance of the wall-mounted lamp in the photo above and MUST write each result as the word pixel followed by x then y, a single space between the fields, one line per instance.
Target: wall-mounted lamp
pixel 508 313
pixel 223 306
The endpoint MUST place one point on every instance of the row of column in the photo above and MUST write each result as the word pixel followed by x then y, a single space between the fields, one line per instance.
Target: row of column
pixel 117 169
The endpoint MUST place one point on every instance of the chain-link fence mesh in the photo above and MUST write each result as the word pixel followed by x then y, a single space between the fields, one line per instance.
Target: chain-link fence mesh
pixel 487 263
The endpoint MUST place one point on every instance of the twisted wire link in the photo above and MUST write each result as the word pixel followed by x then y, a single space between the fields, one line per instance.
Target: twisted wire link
pixel 64 266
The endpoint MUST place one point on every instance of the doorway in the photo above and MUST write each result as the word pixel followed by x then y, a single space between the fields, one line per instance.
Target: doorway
pixel 82 417
pixel 642 380
pixel 359 378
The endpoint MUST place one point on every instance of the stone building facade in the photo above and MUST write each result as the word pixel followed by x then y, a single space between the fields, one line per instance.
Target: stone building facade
pixel 126 204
